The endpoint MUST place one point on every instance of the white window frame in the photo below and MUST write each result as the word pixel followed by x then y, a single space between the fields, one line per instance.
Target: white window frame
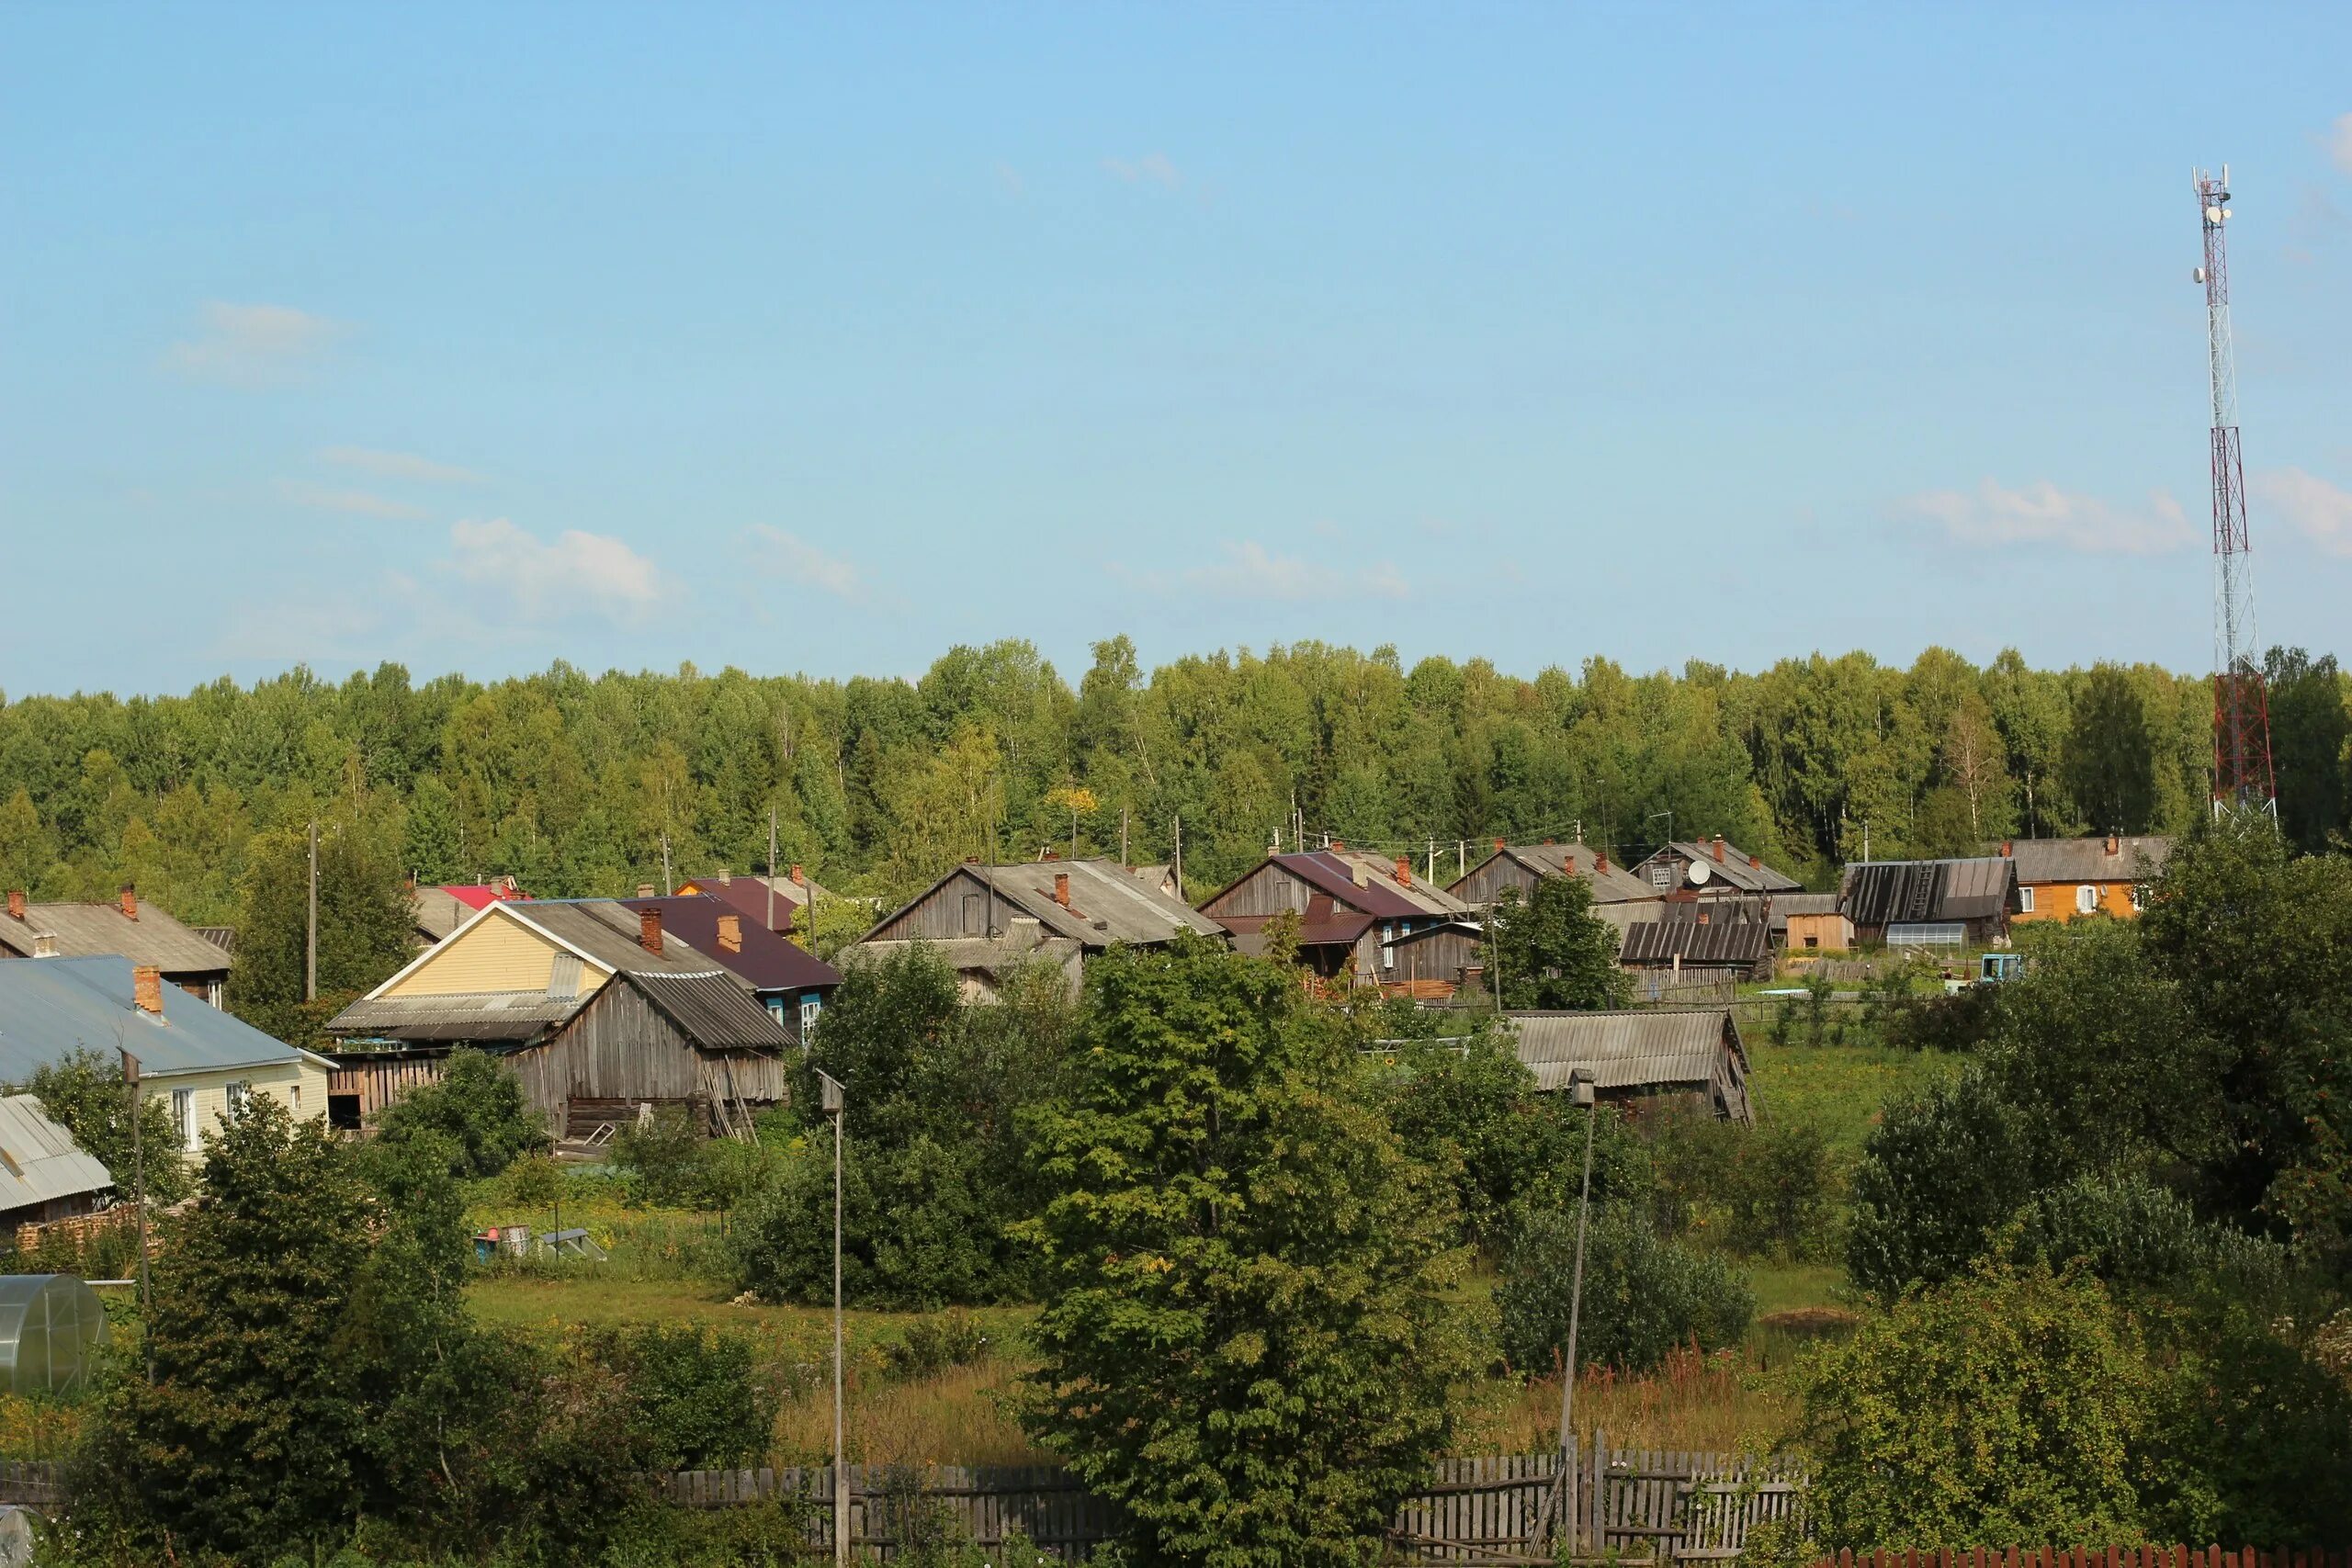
pixel 294 1100
pixel 235 1094
pixel 183 1118
pixel 2025 899
pixel 2139 896
pixel 811 1007
pixel 2087 898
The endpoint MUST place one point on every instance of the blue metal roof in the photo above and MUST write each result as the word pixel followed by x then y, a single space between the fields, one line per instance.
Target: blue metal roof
pixel 49 1007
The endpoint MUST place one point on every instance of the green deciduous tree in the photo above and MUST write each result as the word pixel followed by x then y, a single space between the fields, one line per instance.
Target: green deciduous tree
pixel 1645 1295
pixel 1248 1339
pixel 366 923
pixel 1553 952
pixel 84 1094
pixel 477 1111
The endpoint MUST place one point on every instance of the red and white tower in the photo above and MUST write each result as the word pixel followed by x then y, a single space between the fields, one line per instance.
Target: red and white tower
pixel 2242 776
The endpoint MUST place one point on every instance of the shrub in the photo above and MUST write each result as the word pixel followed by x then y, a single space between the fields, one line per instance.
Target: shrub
pixel 934 1343
pixel 1644 1295
pixel 2131 1232
pixel 2254 1436
pixel 1962 1021
pixel 700 1397
pixel 660 1161
pixel 1999 1406
pixel 1780 1187
pixel 478 1105
pixel 1936 1176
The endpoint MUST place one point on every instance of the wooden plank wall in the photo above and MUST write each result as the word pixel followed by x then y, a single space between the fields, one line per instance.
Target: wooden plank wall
pixel 379 1082
pixel 940 914
pixel 1269 890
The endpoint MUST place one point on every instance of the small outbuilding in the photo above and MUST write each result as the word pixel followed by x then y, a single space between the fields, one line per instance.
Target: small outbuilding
pixel 1931 903
pixel 1643 1057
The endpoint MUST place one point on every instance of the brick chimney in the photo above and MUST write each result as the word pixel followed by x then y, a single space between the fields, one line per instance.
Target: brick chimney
pixel 1756 862
pixel 2114 844
pixel 731 934
pixel 1569 865
pixel 1338 844
pixel 645 891
pixel 1404 870
pixel 1599 863
pixel 799 880
pixel 129 902
pixel 648 930
pixel 1061 888
pixel 1498 843
pixel 147 989
pixel 16 903
pixel 1050 854
pixel 2007 848
pixel 725 877
pixel 1719 849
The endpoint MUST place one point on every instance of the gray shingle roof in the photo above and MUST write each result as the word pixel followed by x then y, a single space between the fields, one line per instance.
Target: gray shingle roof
pixel 49 1007
pixel 2086 859
pixel 1648 1048
pixel 98 931
pixel 42 1161
pixel 1733 870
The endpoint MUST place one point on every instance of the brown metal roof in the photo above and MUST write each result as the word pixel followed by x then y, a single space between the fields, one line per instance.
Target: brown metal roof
pixel 1614 885
pixel 1426 897
pixel 98 930
pixel 1647 1048
pixel 762 959
pixel 2086 859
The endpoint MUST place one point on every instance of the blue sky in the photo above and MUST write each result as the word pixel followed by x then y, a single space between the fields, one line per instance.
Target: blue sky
pixel 477 337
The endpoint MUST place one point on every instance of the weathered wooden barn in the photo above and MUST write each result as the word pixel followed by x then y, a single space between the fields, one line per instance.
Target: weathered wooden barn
pixel 1642 1057
pixel 597 1009
pixel 985 919
pixel 1713 868
pixel 1354 912
pixel 1524 865
pixel 1716 936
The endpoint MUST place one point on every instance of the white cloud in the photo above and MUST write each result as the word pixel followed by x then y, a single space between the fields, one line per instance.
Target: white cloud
pixel 358 503
pixel 398 466
pixel 578 573
pixel 2041 513
pixel 1250 570
pixel 251 345
pixel 777 553
pixel 1152 168
pixel 2339 142
pixel 2320 510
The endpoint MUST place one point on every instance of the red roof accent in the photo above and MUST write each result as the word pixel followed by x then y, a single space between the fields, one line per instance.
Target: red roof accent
pixel 482 895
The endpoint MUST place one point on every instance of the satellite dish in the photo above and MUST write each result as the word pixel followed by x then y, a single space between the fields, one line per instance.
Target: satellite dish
pixel 2198 276
pixel 2212 215
pixel 1699 873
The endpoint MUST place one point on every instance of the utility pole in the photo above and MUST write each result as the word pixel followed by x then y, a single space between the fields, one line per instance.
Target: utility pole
pixel 772 873
pixel 835 1102
pixel 1123 837
pixel 1580 1091
pixel 1179 864
pixel 667 887
pixel 311 930
pixel 2243 779
pixel 1430 872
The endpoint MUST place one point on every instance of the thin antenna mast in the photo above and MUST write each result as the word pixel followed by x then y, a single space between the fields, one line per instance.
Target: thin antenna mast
pixel 2241 773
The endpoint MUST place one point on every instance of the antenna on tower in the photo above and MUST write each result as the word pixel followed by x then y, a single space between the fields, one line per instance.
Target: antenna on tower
pixel 2241 773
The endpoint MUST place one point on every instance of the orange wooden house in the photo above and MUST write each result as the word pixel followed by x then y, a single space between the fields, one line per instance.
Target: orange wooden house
pixel 2063 879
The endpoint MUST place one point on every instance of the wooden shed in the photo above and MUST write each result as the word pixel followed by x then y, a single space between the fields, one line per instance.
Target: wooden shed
pixel 1642 1057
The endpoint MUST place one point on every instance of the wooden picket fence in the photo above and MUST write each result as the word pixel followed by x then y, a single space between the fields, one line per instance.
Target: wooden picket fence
pixel 2098 1557
pixel 30 1484
pixel 1646 1505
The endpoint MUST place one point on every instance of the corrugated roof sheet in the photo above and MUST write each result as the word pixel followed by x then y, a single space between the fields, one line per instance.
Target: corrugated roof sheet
pixel 713 1010
pixel 1107 902
pixel 1880 893
pixel 2086 859
pixel 459 1015
pixel 1339 930
pixel 98 931
pixel 607 930
pixel 1613 886
pixel 40 1160
pixel 1643 1048
pixel 1718 941
pixel 49 1007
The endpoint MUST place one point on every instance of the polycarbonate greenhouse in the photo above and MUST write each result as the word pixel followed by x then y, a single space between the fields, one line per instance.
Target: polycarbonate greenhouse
pixel 51 1328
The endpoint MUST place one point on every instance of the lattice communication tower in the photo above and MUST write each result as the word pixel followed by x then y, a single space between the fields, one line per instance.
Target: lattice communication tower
pixel 2241 773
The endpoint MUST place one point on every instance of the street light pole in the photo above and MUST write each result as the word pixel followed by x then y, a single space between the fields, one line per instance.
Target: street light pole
pixel 835 1102
pixel 1580 1092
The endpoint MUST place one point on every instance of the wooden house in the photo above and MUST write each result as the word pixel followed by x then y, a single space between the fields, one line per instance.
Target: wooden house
pixel 598 1010
pixel 2064 879
pixel 1712 869
pixel 45 1175
pixel 1524 865
pixel 985 919
pixel 1642 1057
pixel 1931 903
pixel 199 1063
pixel 791 982
pixel 1356 915
pixel 127 929
pixel 1810 923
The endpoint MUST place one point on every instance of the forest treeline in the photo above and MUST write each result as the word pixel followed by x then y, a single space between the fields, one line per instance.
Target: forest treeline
pixel 575 784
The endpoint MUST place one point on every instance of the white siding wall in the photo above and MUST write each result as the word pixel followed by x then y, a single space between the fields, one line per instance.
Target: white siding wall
pixel 300 1085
